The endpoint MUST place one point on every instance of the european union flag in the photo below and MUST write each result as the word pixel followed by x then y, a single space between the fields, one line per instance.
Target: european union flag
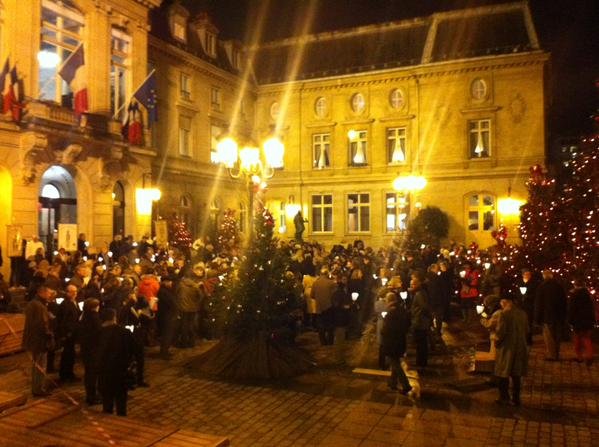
pixel 146 95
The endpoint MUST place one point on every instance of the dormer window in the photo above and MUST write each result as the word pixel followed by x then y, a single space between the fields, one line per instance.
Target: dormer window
pixel 177 19
pixel 235 59
pixel 210 44
pixel 179 29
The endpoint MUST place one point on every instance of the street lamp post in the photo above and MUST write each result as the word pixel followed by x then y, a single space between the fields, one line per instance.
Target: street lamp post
pixel 408 184
pixel 247 162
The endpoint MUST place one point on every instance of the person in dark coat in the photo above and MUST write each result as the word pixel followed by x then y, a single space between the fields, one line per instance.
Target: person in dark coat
pixel 167 314
pixel 581 316
pixel 190 298
pixel 298 222
pixel 129 317
pixel 115 354
pixel 551 312
pixel 37 338
pixel 89 337
pixel 421 319
pixel 322 292
pixel 396 323
pixel 5 296
pixel 528 289
pixel 511 360
pixel 434 287
pixel 67 318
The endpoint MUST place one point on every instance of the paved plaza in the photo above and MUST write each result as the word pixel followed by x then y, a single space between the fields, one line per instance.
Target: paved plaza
pixel 332 406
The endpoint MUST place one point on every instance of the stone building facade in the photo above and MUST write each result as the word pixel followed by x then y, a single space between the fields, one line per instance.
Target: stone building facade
pixel 55 168
pixel 457 98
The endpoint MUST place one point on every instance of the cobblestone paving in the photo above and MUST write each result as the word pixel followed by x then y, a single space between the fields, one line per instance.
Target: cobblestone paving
pixel 333 407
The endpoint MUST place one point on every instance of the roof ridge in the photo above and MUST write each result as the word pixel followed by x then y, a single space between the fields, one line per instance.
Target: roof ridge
pixel 395 24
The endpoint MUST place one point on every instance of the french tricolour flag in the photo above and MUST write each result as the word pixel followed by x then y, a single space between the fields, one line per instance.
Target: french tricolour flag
pixel 74 73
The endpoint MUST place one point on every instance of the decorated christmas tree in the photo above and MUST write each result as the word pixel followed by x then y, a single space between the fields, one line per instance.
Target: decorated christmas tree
pixel 256 307
pixel 228 231
pixel 178 235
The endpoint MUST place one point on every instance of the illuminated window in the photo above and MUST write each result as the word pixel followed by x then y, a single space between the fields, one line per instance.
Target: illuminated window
pixel 320 107
pixel 275 109
pixel 282 216
pixel 358 103
pixel 479 138
pixel 185 205
pixel 50 191
pixel 481 212
pixel 397 212
pixel 322 213
pixel 215 99
pixel 478 89
pixel 185 136
pixel 185 86
pixel 179 31
pixel 216 132
pixel 358 142
pixel 61 33
pixel 397 99
pixel 210 44
pixel 396 145
pixel 358 213
pixel 119 71
pixel 321 144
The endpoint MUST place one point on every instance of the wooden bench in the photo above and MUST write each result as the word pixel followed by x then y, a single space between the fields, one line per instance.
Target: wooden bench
pixel 11 333
pixel 52 422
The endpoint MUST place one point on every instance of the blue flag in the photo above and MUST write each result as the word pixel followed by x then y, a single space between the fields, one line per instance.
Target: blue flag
pixel 146 95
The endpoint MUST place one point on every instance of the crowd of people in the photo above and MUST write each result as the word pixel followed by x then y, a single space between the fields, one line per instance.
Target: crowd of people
pixel 128 295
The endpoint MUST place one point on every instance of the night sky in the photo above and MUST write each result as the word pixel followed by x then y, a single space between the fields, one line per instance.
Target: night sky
pixel 568 29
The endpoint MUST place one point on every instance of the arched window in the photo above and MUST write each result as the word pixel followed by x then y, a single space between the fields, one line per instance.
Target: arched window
pixel 50 191
pixel 62 32
pixel 185 210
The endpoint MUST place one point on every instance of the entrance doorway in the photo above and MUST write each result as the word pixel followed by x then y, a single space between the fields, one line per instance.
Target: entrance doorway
pixel 118 209
pixel 57 204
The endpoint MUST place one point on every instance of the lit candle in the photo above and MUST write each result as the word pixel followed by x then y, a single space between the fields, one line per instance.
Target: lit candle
pixel 463 273
pixel 355 295
pixel 384 281
pixel 487 265
pixel 110 254
pixel 137 260
pixel 403 295
pixel 384 314
pixel 479 309
pixel 523 290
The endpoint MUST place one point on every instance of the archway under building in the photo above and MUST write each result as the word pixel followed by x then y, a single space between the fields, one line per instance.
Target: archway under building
pixel 57 205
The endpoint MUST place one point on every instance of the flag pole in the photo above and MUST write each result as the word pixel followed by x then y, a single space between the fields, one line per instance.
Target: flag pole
pixel 131 97
pixel 60 67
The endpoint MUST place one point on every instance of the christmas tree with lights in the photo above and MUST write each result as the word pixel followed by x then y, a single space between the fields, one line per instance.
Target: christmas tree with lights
pixel 228 231
pixel 178 235
pixel 559 222
pixel 256 307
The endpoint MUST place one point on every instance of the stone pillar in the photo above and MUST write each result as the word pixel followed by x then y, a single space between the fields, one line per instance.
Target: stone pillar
pixel 21 40
pixel 97 60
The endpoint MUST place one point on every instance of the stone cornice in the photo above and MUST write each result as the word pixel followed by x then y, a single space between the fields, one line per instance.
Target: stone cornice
pixel 435 69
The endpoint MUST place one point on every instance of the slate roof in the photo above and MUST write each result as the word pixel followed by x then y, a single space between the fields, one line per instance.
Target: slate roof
pixel 348 53
pixel 480 35
pixel 468 33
